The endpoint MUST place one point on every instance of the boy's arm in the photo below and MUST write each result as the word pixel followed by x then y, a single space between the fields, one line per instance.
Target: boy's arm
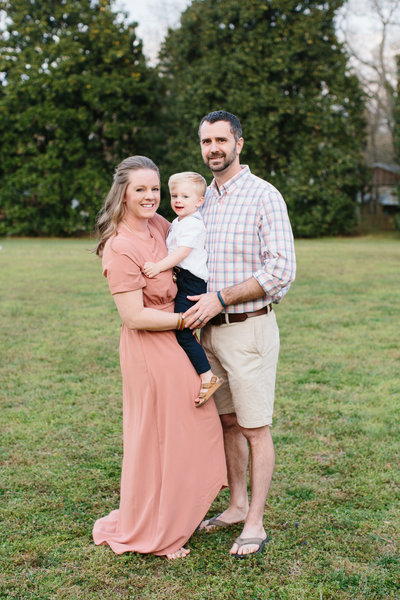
pixel 152 269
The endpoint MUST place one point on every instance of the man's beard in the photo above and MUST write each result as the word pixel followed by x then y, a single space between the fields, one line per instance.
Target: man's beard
pixel 226 161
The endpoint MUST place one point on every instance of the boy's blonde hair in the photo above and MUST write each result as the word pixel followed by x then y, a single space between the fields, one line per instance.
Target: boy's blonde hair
pixel 195 179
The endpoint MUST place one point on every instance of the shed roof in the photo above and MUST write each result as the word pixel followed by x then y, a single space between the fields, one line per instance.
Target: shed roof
pixel 386 167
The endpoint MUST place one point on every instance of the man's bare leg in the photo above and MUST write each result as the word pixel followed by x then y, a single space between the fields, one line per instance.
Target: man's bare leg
pixel 237 455
pixel 262 462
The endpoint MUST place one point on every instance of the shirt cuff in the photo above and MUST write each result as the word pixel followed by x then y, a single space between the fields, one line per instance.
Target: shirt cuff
pixel 266 283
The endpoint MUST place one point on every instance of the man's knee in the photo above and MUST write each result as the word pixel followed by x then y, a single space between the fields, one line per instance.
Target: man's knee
pixel 255 434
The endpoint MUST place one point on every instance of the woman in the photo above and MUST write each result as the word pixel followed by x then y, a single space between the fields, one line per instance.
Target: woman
pixel 173 465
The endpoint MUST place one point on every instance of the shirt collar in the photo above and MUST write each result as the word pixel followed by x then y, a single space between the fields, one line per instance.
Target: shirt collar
pixel 233 181
pixel 195 215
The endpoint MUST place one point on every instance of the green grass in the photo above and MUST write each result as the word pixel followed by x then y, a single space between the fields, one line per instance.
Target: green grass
pixel 333 510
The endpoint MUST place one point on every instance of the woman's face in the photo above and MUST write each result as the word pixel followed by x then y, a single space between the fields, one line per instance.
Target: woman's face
pixel 142 196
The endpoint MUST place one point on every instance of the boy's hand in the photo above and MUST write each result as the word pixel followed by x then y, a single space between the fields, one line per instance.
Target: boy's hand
pixel 151 269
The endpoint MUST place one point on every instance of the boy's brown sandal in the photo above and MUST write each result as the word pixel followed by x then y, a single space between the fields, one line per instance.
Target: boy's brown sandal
pixel 211 387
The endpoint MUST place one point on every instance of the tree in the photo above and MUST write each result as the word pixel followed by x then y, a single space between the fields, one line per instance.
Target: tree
pixel 375 65
pixel 76 98
pixel 397 107
pixel 397 121
pixel 278 65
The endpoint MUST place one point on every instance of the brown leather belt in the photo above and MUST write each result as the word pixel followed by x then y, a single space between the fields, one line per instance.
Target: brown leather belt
pixel 226 318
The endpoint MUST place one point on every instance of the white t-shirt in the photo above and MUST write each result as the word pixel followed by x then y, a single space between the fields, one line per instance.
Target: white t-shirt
pixel 191 232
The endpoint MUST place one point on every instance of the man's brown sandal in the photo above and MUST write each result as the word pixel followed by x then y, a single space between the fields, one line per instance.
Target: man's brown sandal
pixel 211 387
pixel 260 542
pixel 216 523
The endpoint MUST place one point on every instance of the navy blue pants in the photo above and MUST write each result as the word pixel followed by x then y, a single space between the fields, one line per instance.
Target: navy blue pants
pixel 190 285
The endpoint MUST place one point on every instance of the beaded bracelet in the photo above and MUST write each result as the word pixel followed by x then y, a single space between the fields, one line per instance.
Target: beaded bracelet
pixel 221 299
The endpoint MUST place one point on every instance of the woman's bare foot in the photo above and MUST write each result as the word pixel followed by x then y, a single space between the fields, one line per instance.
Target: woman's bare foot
pixel 181 553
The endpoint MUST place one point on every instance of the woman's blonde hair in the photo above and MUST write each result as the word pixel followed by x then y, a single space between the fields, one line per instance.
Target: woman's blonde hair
pixel 113 208
pixel 197 181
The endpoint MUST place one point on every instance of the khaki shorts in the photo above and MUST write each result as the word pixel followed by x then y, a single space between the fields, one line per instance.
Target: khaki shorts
pixel 245 355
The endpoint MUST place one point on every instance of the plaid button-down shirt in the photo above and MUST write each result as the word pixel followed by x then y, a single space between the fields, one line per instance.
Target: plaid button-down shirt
pixel 248 235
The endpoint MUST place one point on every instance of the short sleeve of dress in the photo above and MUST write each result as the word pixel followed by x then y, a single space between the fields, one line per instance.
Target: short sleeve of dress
pixel 122 272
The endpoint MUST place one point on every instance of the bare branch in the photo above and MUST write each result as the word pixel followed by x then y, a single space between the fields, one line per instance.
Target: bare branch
pixel 372 57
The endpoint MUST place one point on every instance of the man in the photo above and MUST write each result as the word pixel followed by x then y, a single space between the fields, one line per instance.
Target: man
pixel 251 262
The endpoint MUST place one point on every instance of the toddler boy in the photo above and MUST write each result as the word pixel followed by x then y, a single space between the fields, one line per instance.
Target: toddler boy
pixel 186 252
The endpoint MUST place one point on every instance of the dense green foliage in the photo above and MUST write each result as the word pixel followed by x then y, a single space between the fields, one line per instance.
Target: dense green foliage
pixel 279 67
pixel 76 98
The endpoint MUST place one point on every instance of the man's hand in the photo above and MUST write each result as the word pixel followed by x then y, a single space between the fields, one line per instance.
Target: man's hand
pixel 206 307
pixel 151 269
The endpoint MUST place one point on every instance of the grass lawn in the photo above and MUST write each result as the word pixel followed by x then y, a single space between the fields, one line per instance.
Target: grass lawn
pixel 333 510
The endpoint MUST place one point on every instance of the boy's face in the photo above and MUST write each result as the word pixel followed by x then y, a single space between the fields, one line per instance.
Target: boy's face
pixel 185 200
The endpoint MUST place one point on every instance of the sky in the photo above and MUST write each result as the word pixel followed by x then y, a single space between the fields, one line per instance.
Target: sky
pixel 155 16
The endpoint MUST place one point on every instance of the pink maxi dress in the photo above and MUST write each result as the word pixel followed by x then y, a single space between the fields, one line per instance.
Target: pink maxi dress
pixel 173 457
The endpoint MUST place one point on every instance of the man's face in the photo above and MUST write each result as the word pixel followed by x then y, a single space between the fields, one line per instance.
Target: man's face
pixel 219 148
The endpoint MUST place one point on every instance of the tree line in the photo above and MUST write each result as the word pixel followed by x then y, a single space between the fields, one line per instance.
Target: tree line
pixel 77 96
